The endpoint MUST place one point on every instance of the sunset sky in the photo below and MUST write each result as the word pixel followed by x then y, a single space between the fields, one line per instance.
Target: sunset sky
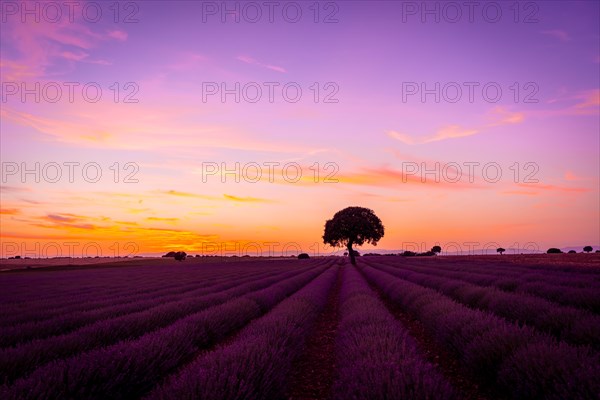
pixel 372 129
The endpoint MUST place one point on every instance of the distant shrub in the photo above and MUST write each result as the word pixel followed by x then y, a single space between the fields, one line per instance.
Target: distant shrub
pixel 426 254
pixel 303 256
pixel 170 254
pixel 408 253
pixel 572 252
pixel 372 254
pixel 587 249
pixel 554 250
pixel 180 255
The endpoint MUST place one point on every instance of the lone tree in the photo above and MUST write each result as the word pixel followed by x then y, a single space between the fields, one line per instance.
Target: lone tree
pixel 436 249
pixel 500 250
pixel 554 250
pixel 353 226
pixel 180 255
pixel 587 249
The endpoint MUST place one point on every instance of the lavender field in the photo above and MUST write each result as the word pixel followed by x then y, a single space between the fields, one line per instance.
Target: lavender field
pixel 481 327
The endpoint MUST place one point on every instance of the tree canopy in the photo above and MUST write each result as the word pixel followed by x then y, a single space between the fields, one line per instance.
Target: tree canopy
pixel 353 226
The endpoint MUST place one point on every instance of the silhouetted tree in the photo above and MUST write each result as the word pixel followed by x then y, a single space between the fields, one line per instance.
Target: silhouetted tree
pixel 408 253
pixel 554 250
pixel 436 249
pixel 353 226
pixel 303 256
pixel 180 255
pixel 587 249
pixel 572 252
pixel 170 254
pixel 500 250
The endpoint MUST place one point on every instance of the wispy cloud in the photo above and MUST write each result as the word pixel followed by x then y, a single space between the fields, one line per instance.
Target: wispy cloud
pixel 64 221
pixel 9 211
pixel 252 61
pixel 580 103
pixel 188 194
pixel 246 199
pixel 498 116
pixel 158 219
pixel 39 47
pixel 553 188
pixel 446 132
pixel 390 177
pixel 521 192
pixel 559 34
pixel 118 35
pixel 570 176
pixel 588 100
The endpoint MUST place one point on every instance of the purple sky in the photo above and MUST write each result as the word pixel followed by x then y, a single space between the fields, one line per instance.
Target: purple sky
pixel 373 58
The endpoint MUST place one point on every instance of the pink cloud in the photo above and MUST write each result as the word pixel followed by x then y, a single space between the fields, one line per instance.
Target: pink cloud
pixel 498 116
pixel 558 34
pixel 40 45
pixel 252 61
pixel 118 35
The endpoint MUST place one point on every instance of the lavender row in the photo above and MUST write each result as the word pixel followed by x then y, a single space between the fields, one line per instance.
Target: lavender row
pixel 583 298
pixel 131 368
pixel 520 264
pixel 518 362
pixel 573 277
pixel 257 364
pixel 565 323
pixel 58 283
pixel 66 322
pixel 62 296
pixel 53 308
pixel 171 277
pixel 376 357
pixel 18 361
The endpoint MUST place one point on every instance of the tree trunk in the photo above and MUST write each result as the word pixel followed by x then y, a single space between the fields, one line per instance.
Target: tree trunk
pixel 351 253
